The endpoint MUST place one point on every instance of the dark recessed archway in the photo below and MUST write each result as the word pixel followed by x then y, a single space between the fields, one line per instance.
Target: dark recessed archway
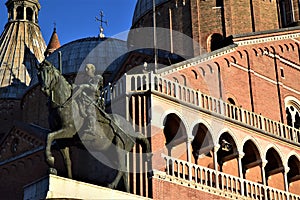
pixel 202 142
pixel 251 162
pixel 274 169
pixel 174 130
pixel 294 172
pixel 227 152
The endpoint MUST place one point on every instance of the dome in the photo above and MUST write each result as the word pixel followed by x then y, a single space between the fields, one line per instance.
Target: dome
pixel 144 6
pixel 105 53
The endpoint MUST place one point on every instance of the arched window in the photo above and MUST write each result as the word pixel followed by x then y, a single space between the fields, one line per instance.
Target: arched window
pixel 286 12
pixel 29 14
pixel 292 108
pixel 20 13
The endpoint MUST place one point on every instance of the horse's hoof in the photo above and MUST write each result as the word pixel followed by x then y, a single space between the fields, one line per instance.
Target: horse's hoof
pixel 52 171
pixel 50 160
pixel 111 186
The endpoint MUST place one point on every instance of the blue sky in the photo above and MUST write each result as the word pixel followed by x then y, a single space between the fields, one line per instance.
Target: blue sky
pixel 76 18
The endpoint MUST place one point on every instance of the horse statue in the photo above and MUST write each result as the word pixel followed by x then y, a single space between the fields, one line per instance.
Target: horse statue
pixel 65 121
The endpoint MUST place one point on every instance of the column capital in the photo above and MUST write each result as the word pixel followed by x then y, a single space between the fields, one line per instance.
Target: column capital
pixel 264 162
pixel 216 147
pixel 241 155
pixel 190 138
pixel 286 169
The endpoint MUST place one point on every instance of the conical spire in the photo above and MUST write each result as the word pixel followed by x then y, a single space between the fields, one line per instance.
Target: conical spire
pixel 53 43
pixel 21 48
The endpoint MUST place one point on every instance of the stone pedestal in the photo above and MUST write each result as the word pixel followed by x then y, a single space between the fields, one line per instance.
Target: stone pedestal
pixel 55 187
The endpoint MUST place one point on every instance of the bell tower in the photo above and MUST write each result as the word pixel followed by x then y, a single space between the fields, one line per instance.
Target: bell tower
pixel 23 10
pixel 22 47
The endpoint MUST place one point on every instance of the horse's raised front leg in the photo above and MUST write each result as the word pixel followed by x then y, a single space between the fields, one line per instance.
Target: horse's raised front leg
pixel 63 133
pixel 50 139
pixel 66 154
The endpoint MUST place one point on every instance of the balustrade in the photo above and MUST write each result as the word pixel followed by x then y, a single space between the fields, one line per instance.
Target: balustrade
pixel 160 85
pixel 225 182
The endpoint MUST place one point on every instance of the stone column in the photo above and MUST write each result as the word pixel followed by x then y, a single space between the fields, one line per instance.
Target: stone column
pixel 286 183
pixel 189 155
pixel 263 177
pixel 263 172
pixel 215 149
pixel 24 13
pixel 240 156
pixel 188 145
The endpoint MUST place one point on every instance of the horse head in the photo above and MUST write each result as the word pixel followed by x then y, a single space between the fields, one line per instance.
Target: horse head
pixel 46 76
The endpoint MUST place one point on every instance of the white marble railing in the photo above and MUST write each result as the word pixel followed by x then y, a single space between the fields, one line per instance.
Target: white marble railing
pixel 129 84
pixel 224 182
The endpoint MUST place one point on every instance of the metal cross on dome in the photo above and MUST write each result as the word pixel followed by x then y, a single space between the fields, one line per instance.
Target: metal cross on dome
pixel 101 35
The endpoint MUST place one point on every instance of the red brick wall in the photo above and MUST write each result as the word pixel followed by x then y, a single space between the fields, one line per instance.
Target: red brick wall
pixel 167 190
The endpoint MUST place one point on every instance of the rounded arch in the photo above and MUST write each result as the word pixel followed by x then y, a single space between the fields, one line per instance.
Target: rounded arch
pixel 270 146
pixel 252 139
pixel 292 47
pixel 293 174
pixel 261 51
pixel 255 52
pixel 227 62
pixel 281 48
pixel 175 132
pixel 251 161
pixel 231 101
pixel 292 109
pixel 202 137
pixel 210 68
pixel 176 112
pixel 195 74
pixel 287 47
pixel 291 153
pixel 175 80
pixel 214 42
pixel 274 167
pixel 202 143
pixel 202 71
pixel 227 153
pixel 240 54
pixel 226 130
pixel 251 154
pixel 184 81
pixel 204 122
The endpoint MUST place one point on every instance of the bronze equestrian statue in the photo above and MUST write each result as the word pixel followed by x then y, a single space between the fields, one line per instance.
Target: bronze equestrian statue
pixel 65 122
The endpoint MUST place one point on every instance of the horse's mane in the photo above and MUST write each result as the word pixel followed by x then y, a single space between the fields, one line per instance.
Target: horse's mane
pixel 62 78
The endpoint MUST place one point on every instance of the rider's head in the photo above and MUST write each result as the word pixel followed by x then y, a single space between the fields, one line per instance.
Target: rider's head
pixel 90 70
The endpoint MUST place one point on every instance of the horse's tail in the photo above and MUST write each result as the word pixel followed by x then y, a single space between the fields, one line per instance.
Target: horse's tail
pixel 144 142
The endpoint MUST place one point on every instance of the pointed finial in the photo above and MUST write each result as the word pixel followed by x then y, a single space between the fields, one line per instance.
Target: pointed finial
pixel 101 35
pixel 54 25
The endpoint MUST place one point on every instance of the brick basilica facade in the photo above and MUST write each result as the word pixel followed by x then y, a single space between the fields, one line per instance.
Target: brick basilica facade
pixel 223 124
